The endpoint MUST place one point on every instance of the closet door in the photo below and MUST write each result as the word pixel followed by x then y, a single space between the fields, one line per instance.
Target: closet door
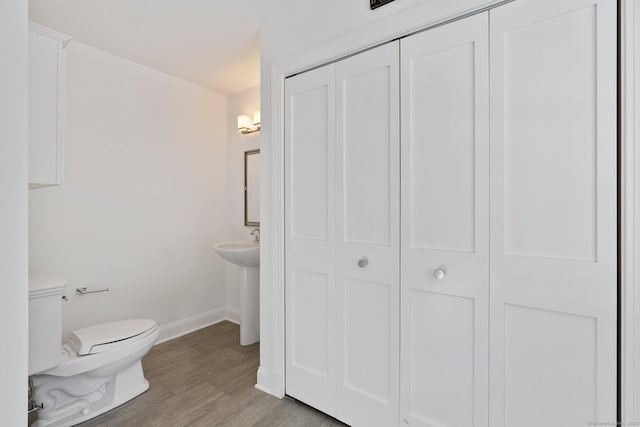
pixel 445 225
pixel 367 226
pixel 553 213
pixel 310 237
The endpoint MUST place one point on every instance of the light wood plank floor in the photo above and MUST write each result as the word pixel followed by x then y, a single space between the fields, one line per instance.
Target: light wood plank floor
pixel 207 379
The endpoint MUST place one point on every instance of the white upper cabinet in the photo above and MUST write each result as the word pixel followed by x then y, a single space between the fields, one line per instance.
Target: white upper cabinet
pixel 46 105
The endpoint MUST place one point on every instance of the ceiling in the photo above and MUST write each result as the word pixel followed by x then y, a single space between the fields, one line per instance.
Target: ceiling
pixel 212 43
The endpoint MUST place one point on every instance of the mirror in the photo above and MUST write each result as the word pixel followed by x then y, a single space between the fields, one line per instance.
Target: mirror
pixel 252 188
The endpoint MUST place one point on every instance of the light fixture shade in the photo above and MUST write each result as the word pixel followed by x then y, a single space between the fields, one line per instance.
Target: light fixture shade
pixel 244 122
pixel 248 124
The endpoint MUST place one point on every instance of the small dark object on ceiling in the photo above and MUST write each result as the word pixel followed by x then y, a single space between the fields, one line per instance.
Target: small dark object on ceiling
pixel 377 3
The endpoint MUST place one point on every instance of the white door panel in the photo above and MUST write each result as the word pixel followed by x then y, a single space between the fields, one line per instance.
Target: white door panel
pixel 553 205
pixel 310 237
pixel 367 226
pixel 442 151
pixel 445 225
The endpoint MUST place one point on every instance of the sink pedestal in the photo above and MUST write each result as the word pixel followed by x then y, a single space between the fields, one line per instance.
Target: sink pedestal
pixel 246 255
pixel 249 305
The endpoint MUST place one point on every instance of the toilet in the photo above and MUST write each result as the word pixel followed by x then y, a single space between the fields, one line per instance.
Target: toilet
pixel 98 369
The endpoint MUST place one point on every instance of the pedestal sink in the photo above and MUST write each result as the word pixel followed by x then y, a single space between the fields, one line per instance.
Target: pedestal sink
pixel 247 256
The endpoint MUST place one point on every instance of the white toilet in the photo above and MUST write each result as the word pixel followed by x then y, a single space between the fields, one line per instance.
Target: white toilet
pixel 97 370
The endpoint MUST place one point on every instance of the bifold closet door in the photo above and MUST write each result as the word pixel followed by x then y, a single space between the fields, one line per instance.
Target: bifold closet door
pixel 310 237
pixel 553 213
pixel 342 237
pixel 445 225
pixel 367 237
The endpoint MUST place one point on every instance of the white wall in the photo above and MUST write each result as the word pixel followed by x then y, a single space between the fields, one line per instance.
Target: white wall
pixel 143 200
pixel 294 36
pixel 13 212
pixel 244 102
pixel 290 26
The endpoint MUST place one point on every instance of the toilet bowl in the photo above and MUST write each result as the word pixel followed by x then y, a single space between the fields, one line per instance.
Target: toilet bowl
pixel 99 368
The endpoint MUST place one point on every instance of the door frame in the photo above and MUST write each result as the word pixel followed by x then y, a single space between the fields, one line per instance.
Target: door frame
pixel 271 374
pixel 629 200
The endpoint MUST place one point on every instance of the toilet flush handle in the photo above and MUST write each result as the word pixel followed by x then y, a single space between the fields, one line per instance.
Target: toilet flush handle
pixel 83 290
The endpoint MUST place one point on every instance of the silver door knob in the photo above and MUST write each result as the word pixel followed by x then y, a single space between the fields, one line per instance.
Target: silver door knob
pixel 440 272
pixel 363 262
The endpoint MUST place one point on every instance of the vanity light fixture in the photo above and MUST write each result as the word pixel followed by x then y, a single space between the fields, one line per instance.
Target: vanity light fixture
pixel 247 125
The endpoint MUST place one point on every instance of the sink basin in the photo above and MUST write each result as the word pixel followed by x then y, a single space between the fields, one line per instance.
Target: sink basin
pixel 244 254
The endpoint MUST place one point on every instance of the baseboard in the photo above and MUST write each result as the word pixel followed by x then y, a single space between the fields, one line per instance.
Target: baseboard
pixel 270 383
pixel 190 324
pixel 233 315
pixel 264 380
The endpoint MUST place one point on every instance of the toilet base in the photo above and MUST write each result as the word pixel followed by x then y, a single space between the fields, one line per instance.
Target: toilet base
pixel 65 405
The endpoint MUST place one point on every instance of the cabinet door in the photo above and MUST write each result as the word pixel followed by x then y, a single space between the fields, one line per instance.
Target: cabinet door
pixel 445 225
pixel 367 231
pixel 553 213
pixel 310 237
pixel 46 93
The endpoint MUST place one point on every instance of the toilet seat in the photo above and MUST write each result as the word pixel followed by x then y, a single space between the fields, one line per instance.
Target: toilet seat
pixel 106 343
pixel 109 336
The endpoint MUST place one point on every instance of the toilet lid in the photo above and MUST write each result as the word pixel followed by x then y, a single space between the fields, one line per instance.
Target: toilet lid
pixel 92 339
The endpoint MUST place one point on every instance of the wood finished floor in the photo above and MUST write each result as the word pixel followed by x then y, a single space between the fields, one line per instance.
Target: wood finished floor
pixel 207 379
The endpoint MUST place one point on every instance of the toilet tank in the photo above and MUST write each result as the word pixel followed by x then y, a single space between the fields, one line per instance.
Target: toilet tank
pixel 45 322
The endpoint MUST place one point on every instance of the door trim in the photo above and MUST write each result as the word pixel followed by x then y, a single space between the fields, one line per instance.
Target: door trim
pixel 629 170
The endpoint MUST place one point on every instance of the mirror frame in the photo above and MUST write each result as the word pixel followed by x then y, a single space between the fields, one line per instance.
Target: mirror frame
pixel 248 223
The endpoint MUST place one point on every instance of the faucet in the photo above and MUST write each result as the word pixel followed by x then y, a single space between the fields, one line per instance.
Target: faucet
pixel 256 235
